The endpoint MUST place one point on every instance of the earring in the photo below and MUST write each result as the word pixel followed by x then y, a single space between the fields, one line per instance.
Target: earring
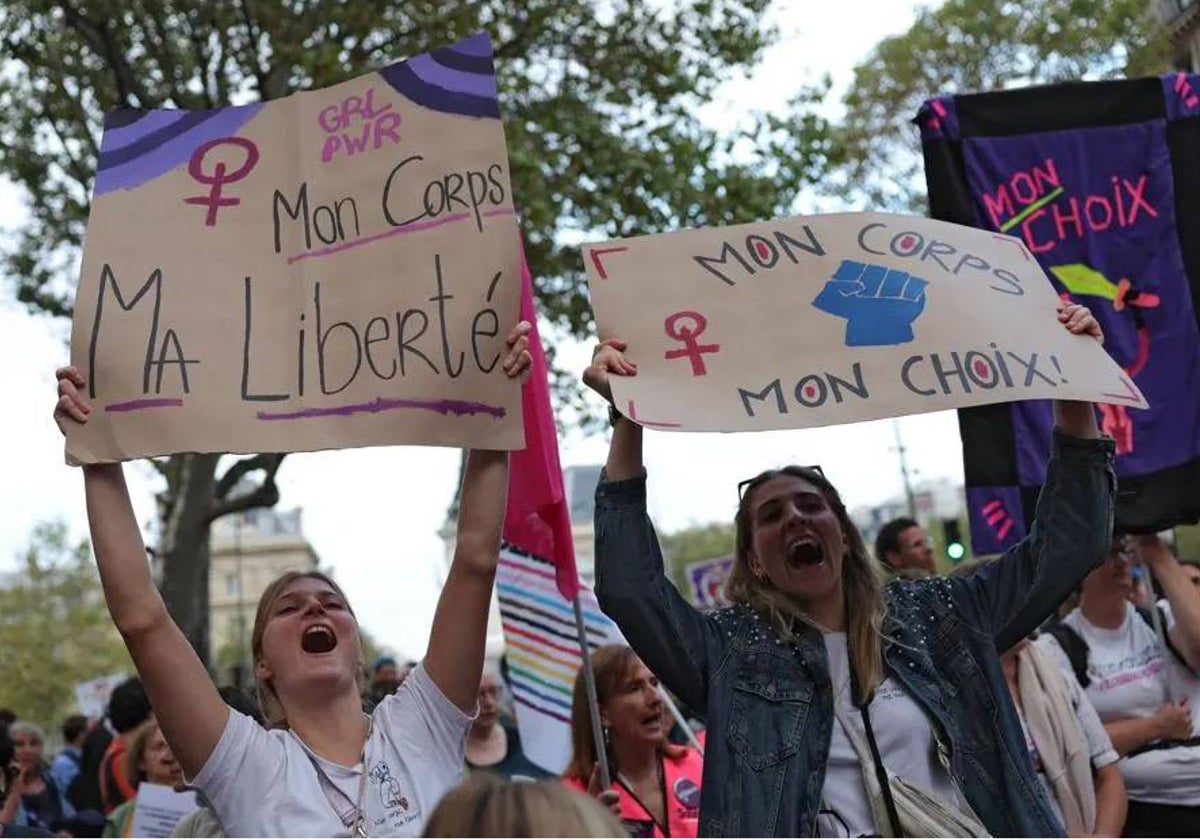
pixel 607 735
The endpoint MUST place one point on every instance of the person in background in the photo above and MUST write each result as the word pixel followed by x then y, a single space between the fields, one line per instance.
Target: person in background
pixel 1068 746
pixel 7 718
pixel 101 782
pixel 657 783
pixel 1142 685
pixel 903 544
pixel 148 759
pixel 487 806
pixel 41 800
pixel 65 766
pixel 493 744
pixel 385 679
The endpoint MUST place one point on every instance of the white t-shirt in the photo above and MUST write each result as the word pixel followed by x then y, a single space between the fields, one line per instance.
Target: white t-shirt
pixel 1130 679
pixel 263 783
pixel 1100 747
pixel 906 744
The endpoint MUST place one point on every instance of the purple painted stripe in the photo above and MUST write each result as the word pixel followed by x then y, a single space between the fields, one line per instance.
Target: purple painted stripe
pixel 477 44
pixel 367 240
pixel 458 407
pixel 430 72
pixel 115 138
pixel 503 211
pixel 175 153
pixel 137 405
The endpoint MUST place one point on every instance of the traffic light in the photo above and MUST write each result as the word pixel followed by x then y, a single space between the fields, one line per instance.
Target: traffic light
pixel 955 549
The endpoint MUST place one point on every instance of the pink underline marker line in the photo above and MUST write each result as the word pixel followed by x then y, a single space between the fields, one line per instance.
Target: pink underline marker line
pixel 137 405
pixel 503 211
pixel 367 240
pixel 457 407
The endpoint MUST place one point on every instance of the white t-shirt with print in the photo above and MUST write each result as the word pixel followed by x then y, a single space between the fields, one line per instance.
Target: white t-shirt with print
pixel 1130 679
pixel 906 744
pixel 263 783
pixel 1099 745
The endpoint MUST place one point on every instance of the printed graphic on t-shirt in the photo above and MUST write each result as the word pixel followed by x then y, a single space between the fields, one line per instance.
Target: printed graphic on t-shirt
pixel 396 805
pixel 1143 664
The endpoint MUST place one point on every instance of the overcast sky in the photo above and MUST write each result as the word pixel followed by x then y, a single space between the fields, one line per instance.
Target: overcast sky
pixel 374 514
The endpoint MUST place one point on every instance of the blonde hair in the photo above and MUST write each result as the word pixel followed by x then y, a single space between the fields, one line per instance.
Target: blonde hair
pixel 135 756
pixel 863 582
pixel 611 665
pixel 488 806
pixel 268 698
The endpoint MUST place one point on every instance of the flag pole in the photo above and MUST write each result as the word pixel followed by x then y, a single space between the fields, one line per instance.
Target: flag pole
pixel 589 681
pixel 683 724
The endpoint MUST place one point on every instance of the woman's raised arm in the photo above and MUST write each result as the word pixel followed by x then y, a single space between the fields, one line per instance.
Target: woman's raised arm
pixel 189 710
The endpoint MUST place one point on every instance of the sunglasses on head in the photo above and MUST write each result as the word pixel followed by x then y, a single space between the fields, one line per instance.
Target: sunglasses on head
pixel 747 483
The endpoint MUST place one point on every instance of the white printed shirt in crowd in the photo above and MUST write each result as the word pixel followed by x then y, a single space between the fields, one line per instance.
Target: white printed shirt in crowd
pixel 1130 679
pixel 1100 748
pixel 906 744
pixel 264 784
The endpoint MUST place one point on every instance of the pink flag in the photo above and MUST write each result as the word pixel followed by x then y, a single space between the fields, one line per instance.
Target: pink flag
pixel 537 520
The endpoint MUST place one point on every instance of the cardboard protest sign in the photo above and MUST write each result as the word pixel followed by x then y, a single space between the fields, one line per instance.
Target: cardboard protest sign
pixel 1098 179
pixel 91 697
pixel 817 320
pixel 336 268
pixel 159 809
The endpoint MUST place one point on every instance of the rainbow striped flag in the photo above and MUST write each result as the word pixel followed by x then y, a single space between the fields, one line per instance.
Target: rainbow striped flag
pixel 542 651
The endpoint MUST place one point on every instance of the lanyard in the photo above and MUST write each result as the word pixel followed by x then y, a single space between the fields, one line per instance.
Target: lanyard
pixel 350 813
pixel 662 786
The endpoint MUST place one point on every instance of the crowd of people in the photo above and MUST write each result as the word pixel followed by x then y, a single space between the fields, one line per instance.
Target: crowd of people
pixel 844 693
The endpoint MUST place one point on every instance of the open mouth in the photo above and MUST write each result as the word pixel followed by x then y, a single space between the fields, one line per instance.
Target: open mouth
pixel 805 553
pixel 654 719
pixel 319 638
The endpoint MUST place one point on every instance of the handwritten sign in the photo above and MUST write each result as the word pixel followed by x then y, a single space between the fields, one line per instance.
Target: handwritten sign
pixel 817 320
pixel 91 697
pixel 337 268
pixel 708 579
pixel 159 809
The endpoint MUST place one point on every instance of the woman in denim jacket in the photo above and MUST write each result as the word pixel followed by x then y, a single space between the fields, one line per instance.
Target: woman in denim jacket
pixel 814 625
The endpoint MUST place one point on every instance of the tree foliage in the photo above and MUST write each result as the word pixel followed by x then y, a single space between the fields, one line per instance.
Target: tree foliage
pixel 55 631
pixel 600 101
pixel 974 46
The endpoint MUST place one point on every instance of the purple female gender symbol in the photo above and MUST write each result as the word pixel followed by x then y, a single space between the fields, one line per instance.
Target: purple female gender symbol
pixel 214 200
pixel 687 333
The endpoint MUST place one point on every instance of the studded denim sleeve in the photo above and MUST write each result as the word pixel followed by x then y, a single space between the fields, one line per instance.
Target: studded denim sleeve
pixel 677 642
pixel 1071 532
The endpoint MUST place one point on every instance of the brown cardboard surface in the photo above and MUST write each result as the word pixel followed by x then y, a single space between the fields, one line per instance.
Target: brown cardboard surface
pixel 375 316
pixel 817 320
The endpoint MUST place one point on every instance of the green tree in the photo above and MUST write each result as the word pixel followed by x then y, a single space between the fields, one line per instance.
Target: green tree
pixel 600 101
pixel 974 46
pixel 54 628
pixel 700 542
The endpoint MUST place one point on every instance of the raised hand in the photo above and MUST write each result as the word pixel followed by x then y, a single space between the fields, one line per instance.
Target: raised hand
pixel 608 359
pixel 518 362
pixel 72 404
pixel 1079 320
pixel 878 303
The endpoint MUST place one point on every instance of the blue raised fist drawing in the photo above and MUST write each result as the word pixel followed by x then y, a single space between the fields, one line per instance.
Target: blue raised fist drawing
pixel 878 303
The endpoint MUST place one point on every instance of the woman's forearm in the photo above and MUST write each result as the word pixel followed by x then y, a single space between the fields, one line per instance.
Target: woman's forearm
pixel 1111 802
pixel 133 600
pixel 1077 419
pixel 625 451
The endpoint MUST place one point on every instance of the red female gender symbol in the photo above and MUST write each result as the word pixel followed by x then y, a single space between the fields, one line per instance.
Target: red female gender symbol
pixel 219 176
pixel 687 333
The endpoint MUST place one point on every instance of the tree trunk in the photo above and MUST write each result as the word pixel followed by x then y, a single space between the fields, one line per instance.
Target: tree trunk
pixel 184 550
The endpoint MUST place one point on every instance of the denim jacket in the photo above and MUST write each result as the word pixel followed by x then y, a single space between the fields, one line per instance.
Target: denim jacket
pixel 769 705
